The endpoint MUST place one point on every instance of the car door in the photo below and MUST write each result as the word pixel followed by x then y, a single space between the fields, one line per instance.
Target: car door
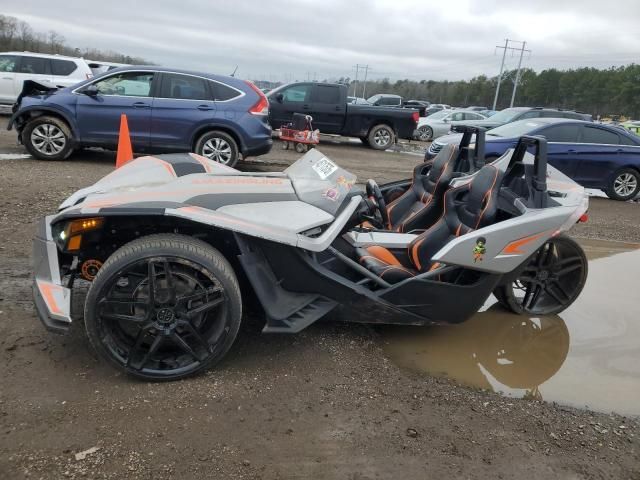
pixel 284 103
pixel 8 67
pixel 37 69
pixel 598 154
pixel 124 92
pixel 328 111
pixel 182 102
pixel 562 149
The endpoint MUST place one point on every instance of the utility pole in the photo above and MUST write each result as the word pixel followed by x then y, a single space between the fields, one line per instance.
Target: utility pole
pixel 504 54
pixel 355 82
pixel 515 85
pixel 364 85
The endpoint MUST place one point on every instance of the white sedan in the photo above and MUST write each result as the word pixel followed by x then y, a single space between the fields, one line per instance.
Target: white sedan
pixel 439 123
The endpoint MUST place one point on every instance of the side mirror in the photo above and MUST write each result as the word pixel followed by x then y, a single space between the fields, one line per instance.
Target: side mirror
pixel 446 120
pixel 91 91
pixel 280 98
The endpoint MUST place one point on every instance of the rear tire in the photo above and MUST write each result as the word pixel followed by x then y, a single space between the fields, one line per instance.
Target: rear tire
pixel 48 138
pixel 381 137
pixel 164 307
pixel 219 147
pixel 552 280
pixel 425 133
pixel 624 185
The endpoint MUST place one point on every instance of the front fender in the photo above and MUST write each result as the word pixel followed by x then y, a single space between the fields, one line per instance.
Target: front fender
pixel 32 111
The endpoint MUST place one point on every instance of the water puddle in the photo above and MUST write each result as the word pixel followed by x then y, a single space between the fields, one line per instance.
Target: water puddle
pixel 588 356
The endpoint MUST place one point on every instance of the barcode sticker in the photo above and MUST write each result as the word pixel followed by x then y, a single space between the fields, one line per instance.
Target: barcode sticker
pixel 324 167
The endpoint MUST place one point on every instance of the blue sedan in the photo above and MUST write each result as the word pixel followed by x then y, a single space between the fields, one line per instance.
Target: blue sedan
pixel 167 110
pixel 596 156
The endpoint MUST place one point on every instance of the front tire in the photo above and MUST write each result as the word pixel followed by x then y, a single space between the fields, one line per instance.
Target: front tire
pixel 164 307
pixel 381 137
pixel 219 147
pixel 48 138
pixel 552 280
pixel 624 185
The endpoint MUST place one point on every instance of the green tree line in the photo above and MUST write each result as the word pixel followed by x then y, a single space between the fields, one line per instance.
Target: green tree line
pixel 17 35
pixel 612 91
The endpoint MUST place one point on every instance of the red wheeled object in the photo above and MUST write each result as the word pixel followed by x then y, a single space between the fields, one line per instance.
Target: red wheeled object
pixel 299 134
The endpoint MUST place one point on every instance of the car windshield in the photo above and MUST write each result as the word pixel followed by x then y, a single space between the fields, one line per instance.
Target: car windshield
pixel 514 129
pixel 439 115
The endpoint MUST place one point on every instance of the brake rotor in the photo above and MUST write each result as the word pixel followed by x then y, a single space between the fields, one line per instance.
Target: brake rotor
pixel 90 269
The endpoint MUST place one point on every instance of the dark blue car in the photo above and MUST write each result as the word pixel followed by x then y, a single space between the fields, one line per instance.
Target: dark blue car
pixel 167 111
pixel 596 156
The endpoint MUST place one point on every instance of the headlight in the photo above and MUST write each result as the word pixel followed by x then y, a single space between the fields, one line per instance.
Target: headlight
pixel 70 238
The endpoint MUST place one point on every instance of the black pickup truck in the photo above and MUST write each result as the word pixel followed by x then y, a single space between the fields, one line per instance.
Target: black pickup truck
pixel 378 127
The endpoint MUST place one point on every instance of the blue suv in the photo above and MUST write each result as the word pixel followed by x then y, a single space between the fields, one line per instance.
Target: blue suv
pixel 167 111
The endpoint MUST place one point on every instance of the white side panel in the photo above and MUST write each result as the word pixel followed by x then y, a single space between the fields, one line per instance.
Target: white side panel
pixel 293 216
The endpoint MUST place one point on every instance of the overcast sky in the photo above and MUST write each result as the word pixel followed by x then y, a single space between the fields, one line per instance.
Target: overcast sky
pixel 286 39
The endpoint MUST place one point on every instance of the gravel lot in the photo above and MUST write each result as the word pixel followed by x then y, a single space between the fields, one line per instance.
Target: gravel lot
pixel 326 403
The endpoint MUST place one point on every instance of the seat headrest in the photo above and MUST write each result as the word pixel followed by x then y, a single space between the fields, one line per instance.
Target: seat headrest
pixel 445 158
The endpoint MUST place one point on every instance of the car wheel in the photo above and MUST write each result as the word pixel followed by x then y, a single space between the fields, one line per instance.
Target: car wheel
pixel 425 133
pixel 624 184
pixel 551 281
pixel 47 138
pixel 381 137
pixel 164 307
pixel 218 146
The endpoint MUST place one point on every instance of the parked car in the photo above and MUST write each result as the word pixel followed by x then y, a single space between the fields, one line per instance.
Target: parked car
pixel 513 114
pixel 377 127
pixel 99 67
pixel 594 155
pixel 385 100
pixel 52 70
pixel 357 100
pixel 168 110
pixel 436 107
pixel 439 123
pixel 632 126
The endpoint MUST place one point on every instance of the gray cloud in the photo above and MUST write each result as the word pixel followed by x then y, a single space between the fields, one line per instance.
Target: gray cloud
pixel 399 38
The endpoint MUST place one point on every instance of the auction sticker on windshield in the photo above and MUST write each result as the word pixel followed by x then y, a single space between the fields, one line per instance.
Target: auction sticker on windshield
pixel 324 167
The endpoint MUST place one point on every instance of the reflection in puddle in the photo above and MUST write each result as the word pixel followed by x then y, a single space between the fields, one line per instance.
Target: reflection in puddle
pixel 588 356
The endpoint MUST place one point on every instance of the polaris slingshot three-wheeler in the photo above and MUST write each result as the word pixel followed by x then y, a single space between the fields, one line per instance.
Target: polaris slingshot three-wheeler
pixel 174 245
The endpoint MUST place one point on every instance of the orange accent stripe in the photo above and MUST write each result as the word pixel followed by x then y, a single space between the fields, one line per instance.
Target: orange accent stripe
pixel 383 255
pixel 488 194
pixel 514 247
pixel 47 292
pixel 200 160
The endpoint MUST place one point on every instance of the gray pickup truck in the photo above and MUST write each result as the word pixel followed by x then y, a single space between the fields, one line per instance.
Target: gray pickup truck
pixel 378 127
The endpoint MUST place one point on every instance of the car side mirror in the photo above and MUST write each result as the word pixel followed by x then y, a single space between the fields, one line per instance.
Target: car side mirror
pixel 91 91
pixel 280 98
pixel 446 120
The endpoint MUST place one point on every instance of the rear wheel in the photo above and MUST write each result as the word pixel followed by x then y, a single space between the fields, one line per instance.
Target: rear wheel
pixel 218 146
pixel 164 307
pixel 552 280
pixel 425 133
pixel 381 137
pixel 624 184
pixel 47 138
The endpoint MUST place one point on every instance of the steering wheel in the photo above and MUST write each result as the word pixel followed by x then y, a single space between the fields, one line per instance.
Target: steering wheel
pixel 374 193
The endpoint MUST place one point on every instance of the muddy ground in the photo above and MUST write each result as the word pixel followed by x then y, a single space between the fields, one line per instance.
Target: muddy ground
pixel 326 403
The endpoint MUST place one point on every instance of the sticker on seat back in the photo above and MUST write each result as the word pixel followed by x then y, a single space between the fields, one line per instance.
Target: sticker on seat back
pixel 324 167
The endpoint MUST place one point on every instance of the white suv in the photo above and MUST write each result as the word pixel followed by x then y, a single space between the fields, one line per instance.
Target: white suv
pixel 54 70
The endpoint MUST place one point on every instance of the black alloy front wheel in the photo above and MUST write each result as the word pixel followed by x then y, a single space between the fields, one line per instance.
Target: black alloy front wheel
pixel 164 307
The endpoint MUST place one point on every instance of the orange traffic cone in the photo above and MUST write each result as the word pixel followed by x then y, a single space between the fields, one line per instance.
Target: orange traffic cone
pixel 125 152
